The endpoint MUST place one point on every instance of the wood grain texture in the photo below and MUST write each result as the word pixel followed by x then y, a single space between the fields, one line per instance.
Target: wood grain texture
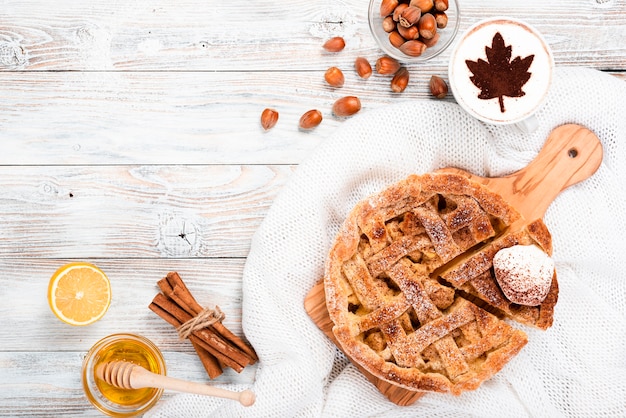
pixel 262 35
pixel 134 211
pixel 174 118
pixel 130 137
pixel 24 284
pixel 79 118
pixel 150 82
pixel 51 384
pixel 571 154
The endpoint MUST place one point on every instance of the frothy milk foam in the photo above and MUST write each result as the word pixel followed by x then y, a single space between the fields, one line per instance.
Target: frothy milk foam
pixel 501 70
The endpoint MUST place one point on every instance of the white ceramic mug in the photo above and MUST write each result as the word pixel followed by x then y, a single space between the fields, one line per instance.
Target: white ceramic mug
pixel 500 72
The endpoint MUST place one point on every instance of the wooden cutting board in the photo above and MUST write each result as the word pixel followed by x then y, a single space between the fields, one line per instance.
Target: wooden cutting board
pixel 570 155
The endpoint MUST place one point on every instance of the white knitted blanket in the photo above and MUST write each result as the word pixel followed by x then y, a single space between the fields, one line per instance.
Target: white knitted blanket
pixel 577 368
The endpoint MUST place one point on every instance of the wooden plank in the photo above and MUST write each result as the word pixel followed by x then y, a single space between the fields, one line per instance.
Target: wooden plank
pixel 177 118
pixel 242 35
pixel 47 384
pixel 41 357
pixel 161 35
pixel 134 211
pixel 174 118
pixel 133 283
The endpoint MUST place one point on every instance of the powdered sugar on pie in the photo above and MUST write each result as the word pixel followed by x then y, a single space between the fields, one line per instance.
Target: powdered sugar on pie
pixel 410 285
pixel 524 273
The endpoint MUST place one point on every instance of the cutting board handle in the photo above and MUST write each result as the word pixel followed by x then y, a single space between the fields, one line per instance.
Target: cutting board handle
pixel 571 154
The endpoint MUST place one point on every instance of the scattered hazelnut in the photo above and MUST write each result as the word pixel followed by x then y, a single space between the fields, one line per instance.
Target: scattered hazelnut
pixel 269 117
pixel 387 65
pixel 387 7
pixel 423 5
pixel 310 119
pixel 363 67
pixel 441 5
pixel 335 44
pixel 346 106
pixel 334 77
pixel 400 80
pixel 427 26
pixel 413 48
pixel 410 16
pixel 438 87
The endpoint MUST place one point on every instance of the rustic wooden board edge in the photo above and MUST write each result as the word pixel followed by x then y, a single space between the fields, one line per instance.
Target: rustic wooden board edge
pixel 315 306
pixel 572 153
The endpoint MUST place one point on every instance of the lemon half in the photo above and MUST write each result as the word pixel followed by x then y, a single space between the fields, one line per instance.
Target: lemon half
pixel 79 293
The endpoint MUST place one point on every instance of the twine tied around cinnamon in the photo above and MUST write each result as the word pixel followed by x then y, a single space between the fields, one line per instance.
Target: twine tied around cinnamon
pixel 216 345
pixel 204 319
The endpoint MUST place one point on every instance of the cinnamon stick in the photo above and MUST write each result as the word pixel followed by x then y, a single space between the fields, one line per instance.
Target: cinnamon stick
pixel 175 288
pixel 181 293
pixel 216 345
pixel 168 290
pixel 228 335
pixel 209 361
pixel 209 340
pixel 179 290
pixel 172 314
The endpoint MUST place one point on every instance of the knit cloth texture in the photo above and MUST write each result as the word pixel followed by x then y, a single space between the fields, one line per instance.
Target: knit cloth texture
pixel 576 368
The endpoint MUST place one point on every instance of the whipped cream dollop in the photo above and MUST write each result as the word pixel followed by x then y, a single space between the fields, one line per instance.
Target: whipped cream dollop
pixel 524 273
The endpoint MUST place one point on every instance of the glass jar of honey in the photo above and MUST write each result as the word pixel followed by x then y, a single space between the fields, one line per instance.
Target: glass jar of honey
pixel 113 401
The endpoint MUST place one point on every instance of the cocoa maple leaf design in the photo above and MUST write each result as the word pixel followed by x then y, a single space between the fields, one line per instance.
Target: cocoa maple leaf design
pixel 499 76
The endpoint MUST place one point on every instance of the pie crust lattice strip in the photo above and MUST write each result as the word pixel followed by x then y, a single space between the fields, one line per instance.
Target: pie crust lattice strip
pixel 410 286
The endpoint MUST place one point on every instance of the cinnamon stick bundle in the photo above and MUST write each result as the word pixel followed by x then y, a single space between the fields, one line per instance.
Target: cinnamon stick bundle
pixel 216 345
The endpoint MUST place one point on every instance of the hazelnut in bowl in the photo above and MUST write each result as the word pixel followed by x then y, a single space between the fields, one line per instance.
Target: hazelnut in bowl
pixel 413 30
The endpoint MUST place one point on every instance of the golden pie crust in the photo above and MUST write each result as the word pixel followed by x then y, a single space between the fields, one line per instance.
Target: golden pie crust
pixel 410 287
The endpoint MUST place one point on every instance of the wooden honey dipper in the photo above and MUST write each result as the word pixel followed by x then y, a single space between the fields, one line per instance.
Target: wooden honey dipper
pixel 126 375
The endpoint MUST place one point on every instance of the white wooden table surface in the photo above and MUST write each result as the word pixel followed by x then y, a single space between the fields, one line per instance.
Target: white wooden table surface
pixel 130 138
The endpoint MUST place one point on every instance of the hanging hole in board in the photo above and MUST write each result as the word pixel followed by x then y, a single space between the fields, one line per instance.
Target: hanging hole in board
pixel 572 153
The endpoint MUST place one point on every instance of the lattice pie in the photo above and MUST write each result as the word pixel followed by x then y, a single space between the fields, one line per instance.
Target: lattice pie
pixel 410 284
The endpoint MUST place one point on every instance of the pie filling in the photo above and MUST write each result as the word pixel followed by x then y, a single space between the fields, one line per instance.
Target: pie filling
pixel 414 299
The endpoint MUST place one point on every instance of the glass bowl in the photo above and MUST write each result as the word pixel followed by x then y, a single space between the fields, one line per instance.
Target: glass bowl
pixel 122 402
pixel 446 35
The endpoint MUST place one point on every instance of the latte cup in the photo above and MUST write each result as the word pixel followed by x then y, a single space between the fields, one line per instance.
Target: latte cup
pixel 500 72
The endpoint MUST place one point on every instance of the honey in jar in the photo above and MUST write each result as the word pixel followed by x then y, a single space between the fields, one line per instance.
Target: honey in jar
pixel 114 401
